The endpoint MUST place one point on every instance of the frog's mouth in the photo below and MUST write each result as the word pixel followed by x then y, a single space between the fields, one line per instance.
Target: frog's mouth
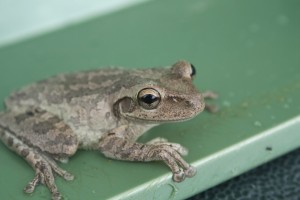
pixel 170 109
pixel 159 121
pixel 152 118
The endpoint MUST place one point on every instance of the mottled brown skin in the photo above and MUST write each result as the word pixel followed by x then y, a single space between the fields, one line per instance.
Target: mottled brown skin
pixel 102 109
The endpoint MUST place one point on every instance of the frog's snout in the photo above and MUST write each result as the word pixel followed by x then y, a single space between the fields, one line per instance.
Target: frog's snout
pixel 194 104
pixel 198 103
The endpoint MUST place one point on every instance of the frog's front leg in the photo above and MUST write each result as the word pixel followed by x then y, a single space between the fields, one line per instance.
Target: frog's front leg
pixel 207 95
pixel 39 136
pixel 115 146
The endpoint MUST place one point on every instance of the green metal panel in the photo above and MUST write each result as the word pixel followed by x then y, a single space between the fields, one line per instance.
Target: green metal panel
pixel 247 51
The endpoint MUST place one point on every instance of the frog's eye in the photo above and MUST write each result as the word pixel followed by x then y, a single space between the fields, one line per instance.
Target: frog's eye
pixel 149 98
pixel 183 69
pixel 193 73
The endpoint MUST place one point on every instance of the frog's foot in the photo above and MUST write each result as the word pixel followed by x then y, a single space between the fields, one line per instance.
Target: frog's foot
pixel 207 95
pixel 157 149
pixel 44 166
pixel 171 153
pixel 44 174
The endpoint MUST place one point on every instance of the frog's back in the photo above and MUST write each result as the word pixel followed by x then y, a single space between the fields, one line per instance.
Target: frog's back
pixel 82 100
pixel 64 88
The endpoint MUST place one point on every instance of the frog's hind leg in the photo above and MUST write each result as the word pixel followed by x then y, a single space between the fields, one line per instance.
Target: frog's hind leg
pixel 18 132
pixel 43 166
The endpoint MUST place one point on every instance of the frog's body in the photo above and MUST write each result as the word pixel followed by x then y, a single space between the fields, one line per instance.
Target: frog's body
pixel 104 109
pixel 82 100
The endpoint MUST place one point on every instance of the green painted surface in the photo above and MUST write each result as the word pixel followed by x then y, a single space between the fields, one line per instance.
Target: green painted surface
pixel 247 51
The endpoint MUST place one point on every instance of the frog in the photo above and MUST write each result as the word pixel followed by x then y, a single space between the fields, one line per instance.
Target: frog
pixel 103 109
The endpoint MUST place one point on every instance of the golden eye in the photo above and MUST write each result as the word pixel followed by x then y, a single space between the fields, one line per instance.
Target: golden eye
pixel 149 98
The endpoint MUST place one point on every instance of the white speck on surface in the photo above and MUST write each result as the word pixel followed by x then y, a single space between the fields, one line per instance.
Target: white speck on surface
pixel 234 171
pixel 283 20
pixel 257 123
pixel 226 103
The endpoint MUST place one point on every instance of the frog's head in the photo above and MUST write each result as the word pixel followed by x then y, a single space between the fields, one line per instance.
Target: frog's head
pixel 162 95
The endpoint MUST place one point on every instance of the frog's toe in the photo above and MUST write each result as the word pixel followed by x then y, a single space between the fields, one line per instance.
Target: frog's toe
pixel 56 196
pixel 68 177
pixel 170 154
pixel 45 176
pixel 177 147
pixel 61 172
pixel 178 176
pixel 157 140
pixel 210 95
pixel 32 184
pixel 190 171
pixel 180 149
pixel 211 108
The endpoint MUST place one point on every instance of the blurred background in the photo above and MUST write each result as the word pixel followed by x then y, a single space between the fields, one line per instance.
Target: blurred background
pixel 25 19
pixel 246 51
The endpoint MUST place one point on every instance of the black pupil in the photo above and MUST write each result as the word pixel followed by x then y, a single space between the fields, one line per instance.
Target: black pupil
pixel 193 70
pixel 148 98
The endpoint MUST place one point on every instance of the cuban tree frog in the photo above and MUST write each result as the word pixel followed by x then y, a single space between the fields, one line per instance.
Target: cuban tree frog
pixel 103 109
